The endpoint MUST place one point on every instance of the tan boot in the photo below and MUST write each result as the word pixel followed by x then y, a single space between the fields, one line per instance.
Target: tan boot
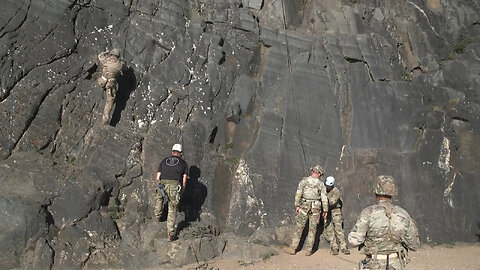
pixel 289 250
pixel 309 253
pixel 346 251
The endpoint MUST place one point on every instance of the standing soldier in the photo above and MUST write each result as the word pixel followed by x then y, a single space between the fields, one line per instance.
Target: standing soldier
pixel 384 232
pixel 172 178
pixel 310 199
pixel 334 224
pixel 111 67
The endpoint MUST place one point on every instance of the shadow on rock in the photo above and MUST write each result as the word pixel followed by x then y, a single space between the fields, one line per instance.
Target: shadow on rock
pixel 127 82
pixel 193 198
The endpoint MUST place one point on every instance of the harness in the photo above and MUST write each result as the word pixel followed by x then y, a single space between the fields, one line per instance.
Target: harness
pixel 387 255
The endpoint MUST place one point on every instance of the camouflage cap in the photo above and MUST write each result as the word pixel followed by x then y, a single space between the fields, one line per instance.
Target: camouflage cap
pixel 317 168
pixel 385 185
pixel 115 52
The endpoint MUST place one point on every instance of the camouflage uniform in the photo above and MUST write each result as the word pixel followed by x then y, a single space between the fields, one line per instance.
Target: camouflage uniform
pixel 311 198
pixel 385 230
pixel 111 67
pixel 172 193
pixel 334 224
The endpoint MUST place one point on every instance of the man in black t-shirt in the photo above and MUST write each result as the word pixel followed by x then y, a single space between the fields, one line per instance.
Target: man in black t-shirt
pixel 172 176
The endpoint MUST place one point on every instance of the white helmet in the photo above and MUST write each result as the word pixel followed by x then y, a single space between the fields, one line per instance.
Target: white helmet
pixel 330 181
pixel 177 147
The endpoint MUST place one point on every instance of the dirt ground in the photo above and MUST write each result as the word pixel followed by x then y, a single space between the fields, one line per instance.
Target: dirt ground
pixel 442 257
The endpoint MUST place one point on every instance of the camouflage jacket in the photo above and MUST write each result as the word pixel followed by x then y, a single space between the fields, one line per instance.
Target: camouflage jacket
pixel 311 188
pixel 384 228
pixel 111 65
pixel 334 200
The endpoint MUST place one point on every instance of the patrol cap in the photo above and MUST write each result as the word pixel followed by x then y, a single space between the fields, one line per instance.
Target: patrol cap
pixel 317 168
pixel 177 147
pixel 385 185
pixel 330 181
pixel 115 52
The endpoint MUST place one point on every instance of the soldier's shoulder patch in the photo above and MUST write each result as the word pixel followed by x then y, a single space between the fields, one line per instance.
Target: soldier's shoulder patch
pixel 374 208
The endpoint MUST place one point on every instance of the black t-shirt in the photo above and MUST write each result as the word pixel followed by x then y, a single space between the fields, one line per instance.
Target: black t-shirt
pixel 173 168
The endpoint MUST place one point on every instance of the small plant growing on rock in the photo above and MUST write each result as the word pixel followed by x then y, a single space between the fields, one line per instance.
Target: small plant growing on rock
pixel 70 160
pixel 459 48
pixel 258 242
pixel 242 263
pixel 449 245
pixel 267 256
pixel 115 212
pixel 235 161
pixel 462 44
pixel 407 76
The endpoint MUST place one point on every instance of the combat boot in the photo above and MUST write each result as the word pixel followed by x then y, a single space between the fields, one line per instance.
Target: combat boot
pixel 289 250
pixel 309 253
pixel 334 251
pixel 346 251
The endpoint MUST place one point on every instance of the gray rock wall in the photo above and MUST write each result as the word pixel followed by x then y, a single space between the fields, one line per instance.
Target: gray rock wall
pixel 257 92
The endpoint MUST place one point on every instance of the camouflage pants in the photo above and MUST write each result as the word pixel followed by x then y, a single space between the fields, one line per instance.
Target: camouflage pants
pixel 309 211
pixel 110 86
pixel 170 187
pixel 110 92
pixel 334 229
pixel 380 264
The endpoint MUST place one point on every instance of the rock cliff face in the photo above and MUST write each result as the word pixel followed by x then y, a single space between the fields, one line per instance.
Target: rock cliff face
pixel 257 91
